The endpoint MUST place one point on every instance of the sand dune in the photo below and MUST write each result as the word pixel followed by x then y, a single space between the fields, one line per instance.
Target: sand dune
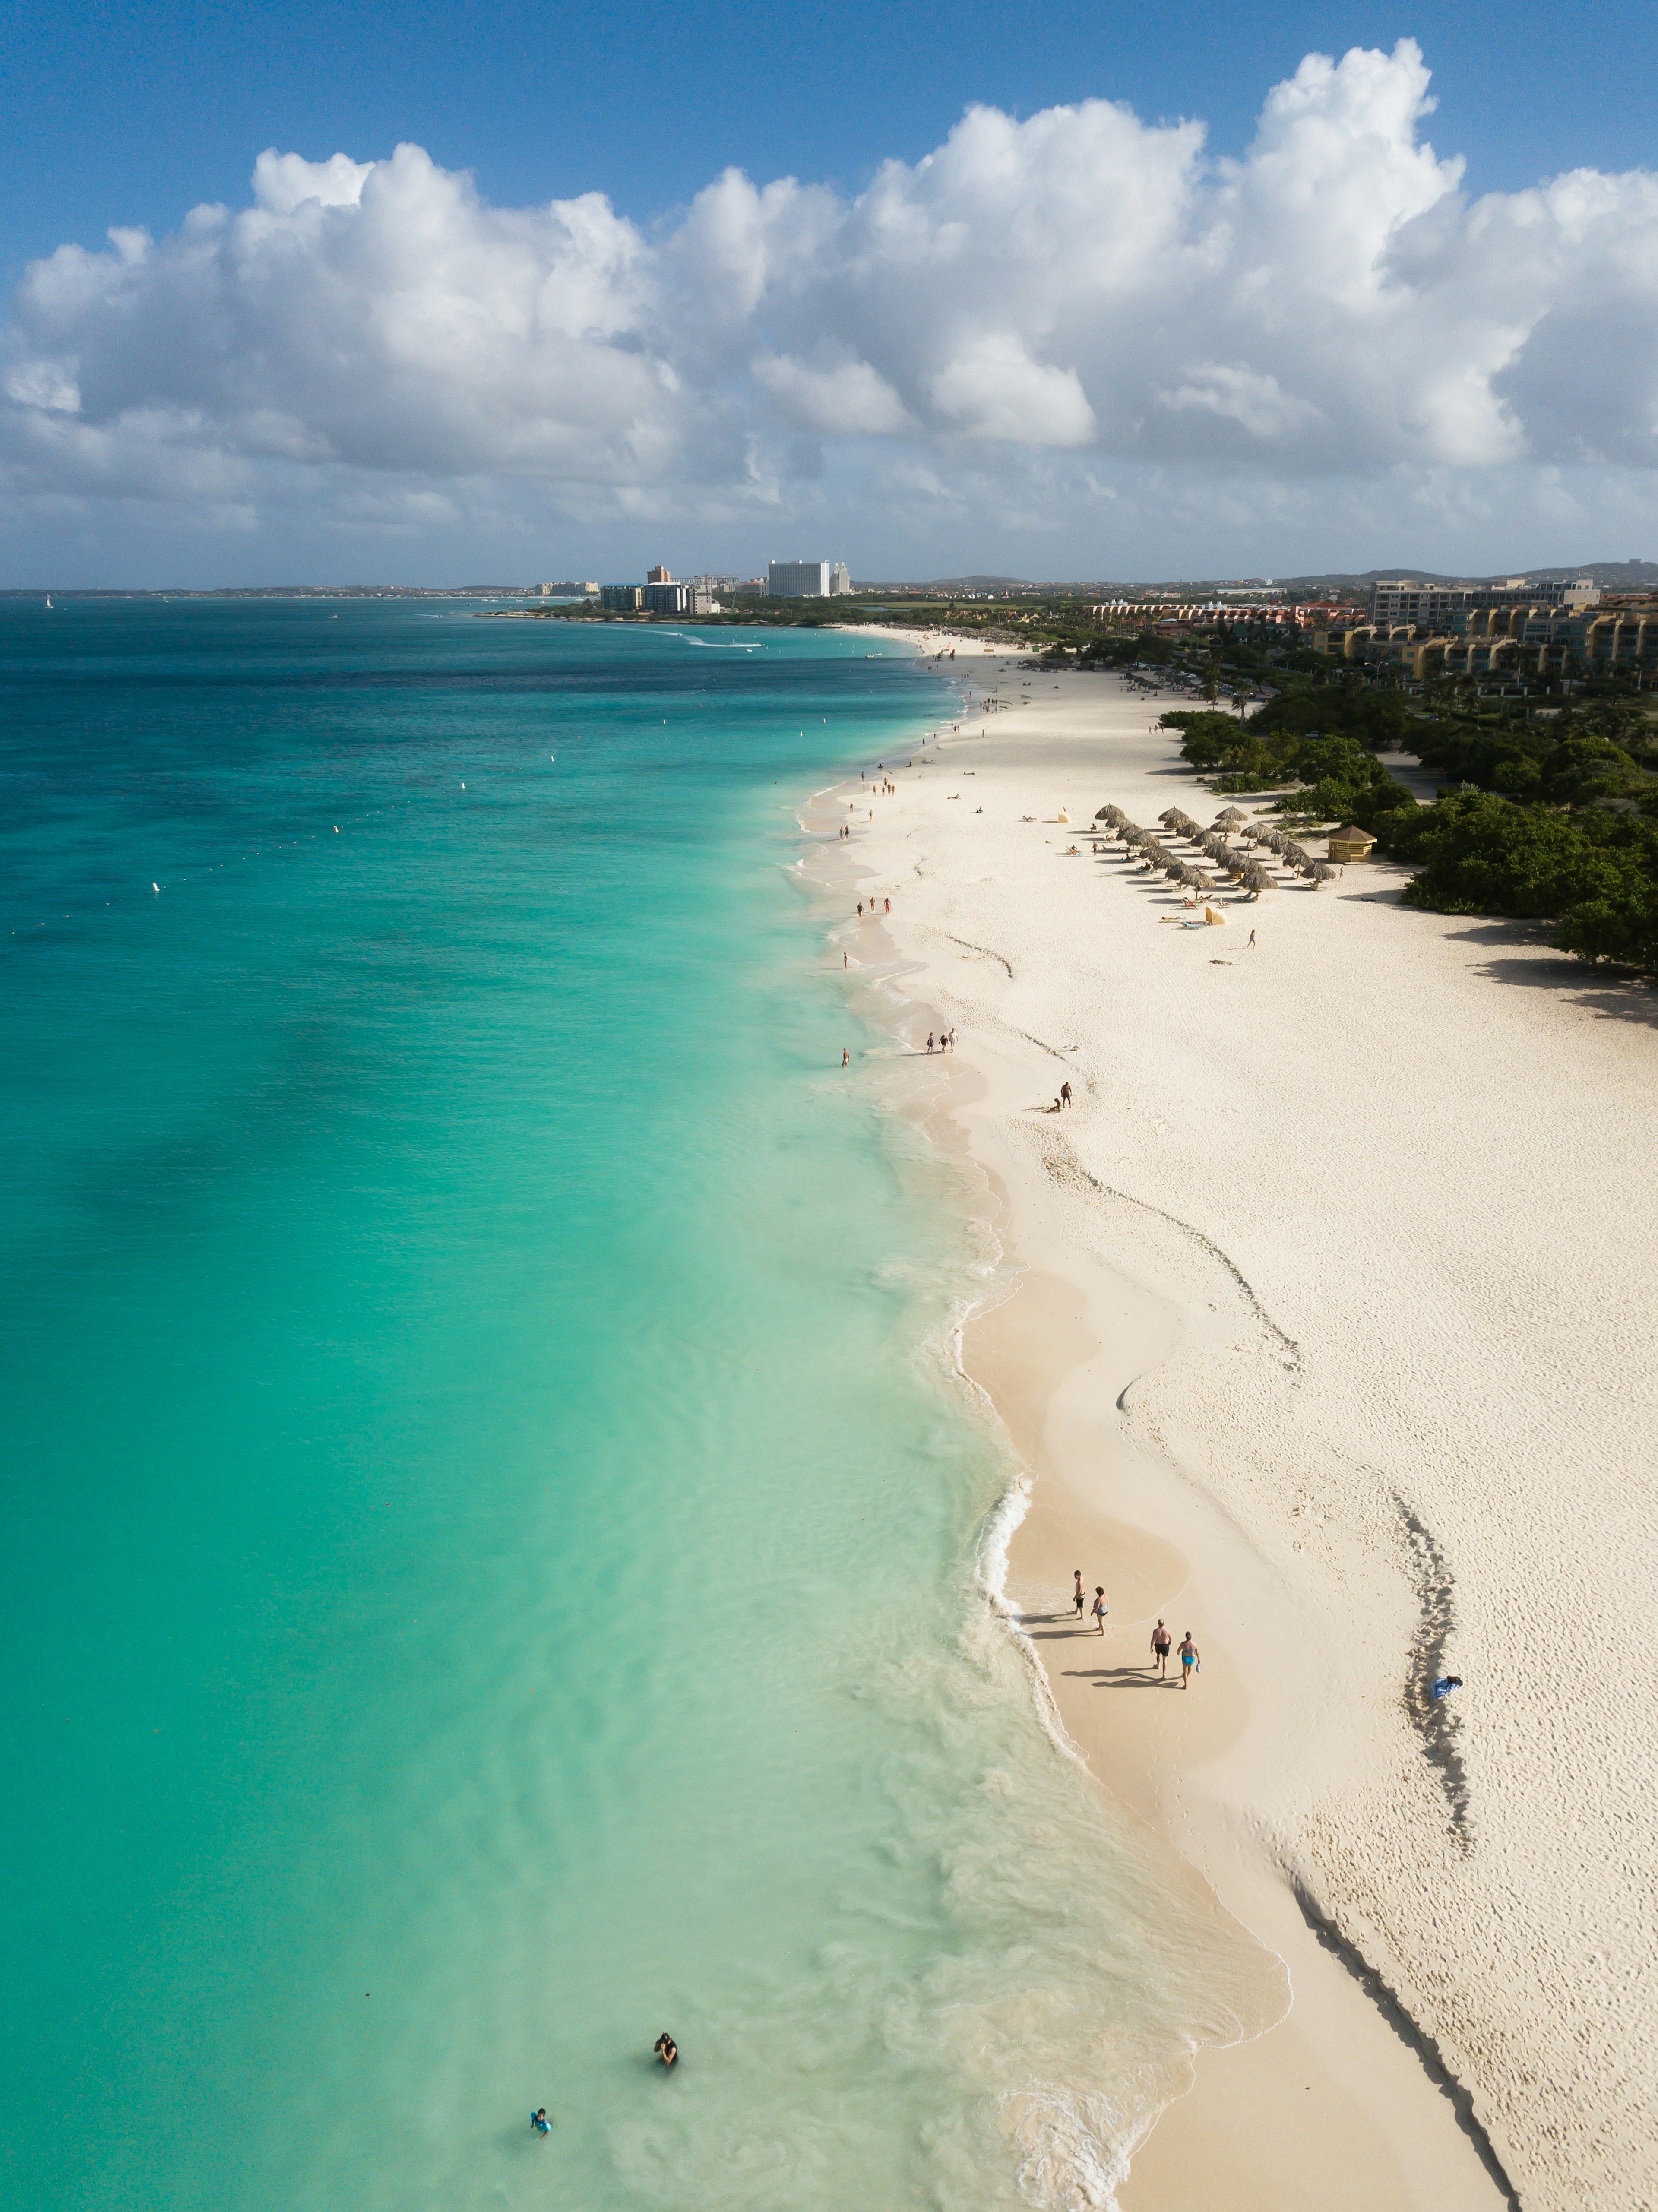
pixel 1371 1207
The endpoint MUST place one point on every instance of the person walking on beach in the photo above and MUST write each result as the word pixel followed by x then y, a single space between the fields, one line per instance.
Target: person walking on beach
pixel 1080 1595
pixel 1065 1093
pixel 929 1040
pixel 888 904
pixel 846 1057
pixel 1191 1661
pixel 1099 1608
pixel 1252 940
pixel 1160 1640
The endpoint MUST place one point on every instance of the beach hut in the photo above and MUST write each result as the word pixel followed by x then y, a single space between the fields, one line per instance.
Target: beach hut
pixel 1350 844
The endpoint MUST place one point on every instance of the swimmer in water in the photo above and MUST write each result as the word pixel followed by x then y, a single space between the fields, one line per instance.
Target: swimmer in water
pixel 666 2049
pixel 539 2121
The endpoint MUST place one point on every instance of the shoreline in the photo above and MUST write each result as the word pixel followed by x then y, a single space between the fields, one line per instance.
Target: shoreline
pixel 1379 2087
pixel 1290 2118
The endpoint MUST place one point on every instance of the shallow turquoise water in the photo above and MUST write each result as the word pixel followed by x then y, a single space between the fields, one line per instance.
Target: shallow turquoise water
pixel 489 1553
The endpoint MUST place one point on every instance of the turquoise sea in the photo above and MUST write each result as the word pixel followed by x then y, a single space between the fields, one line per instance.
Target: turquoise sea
pixel 492 1552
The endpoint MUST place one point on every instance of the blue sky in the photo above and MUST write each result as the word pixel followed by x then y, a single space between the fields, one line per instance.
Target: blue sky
pixel 1029 447
pixel 131 114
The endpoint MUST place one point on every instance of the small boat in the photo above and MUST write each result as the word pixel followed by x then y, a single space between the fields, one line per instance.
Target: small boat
pixel 50 608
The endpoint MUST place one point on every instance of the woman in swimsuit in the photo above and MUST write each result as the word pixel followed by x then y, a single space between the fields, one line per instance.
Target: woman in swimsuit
pixel 1189 1660
pixel 666 2049
pixel 1099 1608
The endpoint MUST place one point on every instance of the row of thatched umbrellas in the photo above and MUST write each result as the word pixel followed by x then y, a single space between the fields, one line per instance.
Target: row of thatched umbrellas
pixel 1245 868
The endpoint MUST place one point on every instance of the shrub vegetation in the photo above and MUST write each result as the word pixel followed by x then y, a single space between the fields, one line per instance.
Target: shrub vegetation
pixel 1553 819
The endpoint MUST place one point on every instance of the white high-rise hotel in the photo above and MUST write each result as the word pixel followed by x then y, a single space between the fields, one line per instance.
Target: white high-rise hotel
pixel 808 579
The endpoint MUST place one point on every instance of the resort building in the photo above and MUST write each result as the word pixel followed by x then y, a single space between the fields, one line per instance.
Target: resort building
pixel 661 596
pixel 1542 639
pixel 840 579
pixel 1403 601
pixel 799 579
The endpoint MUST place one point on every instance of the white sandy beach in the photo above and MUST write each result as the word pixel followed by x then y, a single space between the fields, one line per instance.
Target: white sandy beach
pixel 1337 1349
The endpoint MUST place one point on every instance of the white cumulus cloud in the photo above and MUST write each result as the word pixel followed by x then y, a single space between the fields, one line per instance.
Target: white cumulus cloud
pixel 1049 316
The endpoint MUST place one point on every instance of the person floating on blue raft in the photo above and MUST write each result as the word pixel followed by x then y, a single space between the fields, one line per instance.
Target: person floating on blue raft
pixel 1445 1685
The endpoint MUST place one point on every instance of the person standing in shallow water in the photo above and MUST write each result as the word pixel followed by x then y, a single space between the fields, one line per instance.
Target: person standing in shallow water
pixel 1099 1608
pixel 1191 1661
pixel 1160 1640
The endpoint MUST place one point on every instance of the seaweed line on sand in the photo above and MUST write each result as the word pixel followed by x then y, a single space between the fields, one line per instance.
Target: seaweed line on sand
pixel 1432 1719
pixel 1410 2033
pixel 1064 1167
pixel 988 955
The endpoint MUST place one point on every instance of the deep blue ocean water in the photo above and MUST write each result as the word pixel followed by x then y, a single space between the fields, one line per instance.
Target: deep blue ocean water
pixel 489 1545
